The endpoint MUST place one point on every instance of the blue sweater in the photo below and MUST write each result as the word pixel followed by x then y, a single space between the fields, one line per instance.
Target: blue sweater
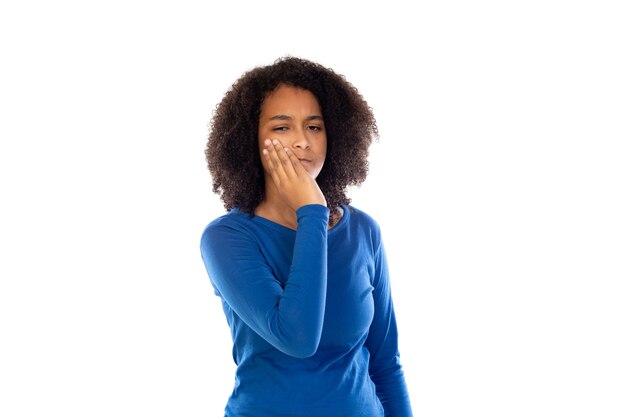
pixel 310 313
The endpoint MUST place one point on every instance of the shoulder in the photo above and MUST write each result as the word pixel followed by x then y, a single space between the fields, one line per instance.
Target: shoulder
pixel 233 223
pixel 364 223
pixel 360 217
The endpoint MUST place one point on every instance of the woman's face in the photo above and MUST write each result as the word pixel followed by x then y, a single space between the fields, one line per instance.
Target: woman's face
pixel 293 116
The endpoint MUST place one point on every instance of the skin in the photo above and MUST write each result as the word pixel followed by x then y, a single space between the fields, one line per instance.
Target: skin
pixel 292 143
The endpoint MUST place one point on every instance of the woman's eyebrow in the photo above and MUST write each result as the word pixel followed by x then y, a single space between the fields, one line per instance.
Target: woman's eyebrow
pixel 286 117
pixel 281 117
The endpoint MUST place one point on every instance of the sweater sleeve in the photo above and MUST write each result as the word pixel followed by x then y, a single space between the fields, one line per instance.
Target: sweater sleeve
pixel 288 318
pixel 382 343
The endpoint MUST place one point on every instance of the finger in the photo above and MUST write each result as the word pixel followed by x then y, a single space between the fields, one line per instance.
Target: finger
pixel 298 168
pixel 273 165
pixel 284 155
pixel 280 159
pixel 274 158
pixel 279 162
pixel 280 152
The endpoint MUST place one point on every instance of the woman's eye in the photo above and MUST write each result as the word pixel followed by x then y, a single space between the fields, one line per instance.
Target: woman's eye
pixel 279 128
pixel 315 128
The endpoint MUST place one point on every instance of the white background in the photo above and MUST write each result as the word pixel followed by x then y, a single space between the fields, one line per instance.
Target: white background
pixel 499 182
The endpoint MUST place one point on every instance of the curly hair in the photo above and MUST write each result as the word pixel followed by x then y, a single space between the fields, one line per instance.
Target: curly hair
pixel 232 150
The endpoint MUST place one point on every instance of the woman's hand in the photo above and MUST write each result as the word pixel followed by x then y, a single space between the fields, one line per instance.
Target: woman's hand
pixel 294 184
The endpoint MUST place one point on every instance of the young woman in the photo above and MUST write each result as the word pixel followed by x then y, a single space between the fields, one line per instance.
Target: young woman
pixel 301 274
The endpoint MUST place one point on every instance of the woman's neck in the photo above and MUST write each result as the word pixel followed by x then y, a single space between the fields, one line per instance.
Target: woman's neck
pixel 273 208
pixel 277 212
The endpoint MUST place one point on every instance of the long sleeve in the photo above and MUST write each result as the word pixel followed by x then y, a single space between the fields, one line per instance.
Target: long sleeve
pixel 382 343
pixel 288 316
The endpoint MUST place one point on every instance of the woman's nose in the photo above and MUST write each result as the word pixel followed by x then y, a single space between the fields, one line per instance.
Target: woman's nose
pixel 300 140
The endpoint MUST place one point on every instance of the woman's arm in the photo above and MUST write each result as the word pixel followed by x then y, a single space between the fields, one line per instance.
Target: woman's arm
pixel 382 343
pixel 288 318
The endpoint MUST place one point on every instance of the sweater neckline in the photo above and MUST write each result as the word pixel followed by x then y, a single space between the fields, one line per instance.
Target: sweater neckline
pixel 340 224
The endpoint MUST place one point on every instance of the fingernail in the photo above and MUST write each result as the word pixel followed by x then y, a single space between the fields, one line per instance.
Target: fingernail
pixel 268 142
pixel 275 142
